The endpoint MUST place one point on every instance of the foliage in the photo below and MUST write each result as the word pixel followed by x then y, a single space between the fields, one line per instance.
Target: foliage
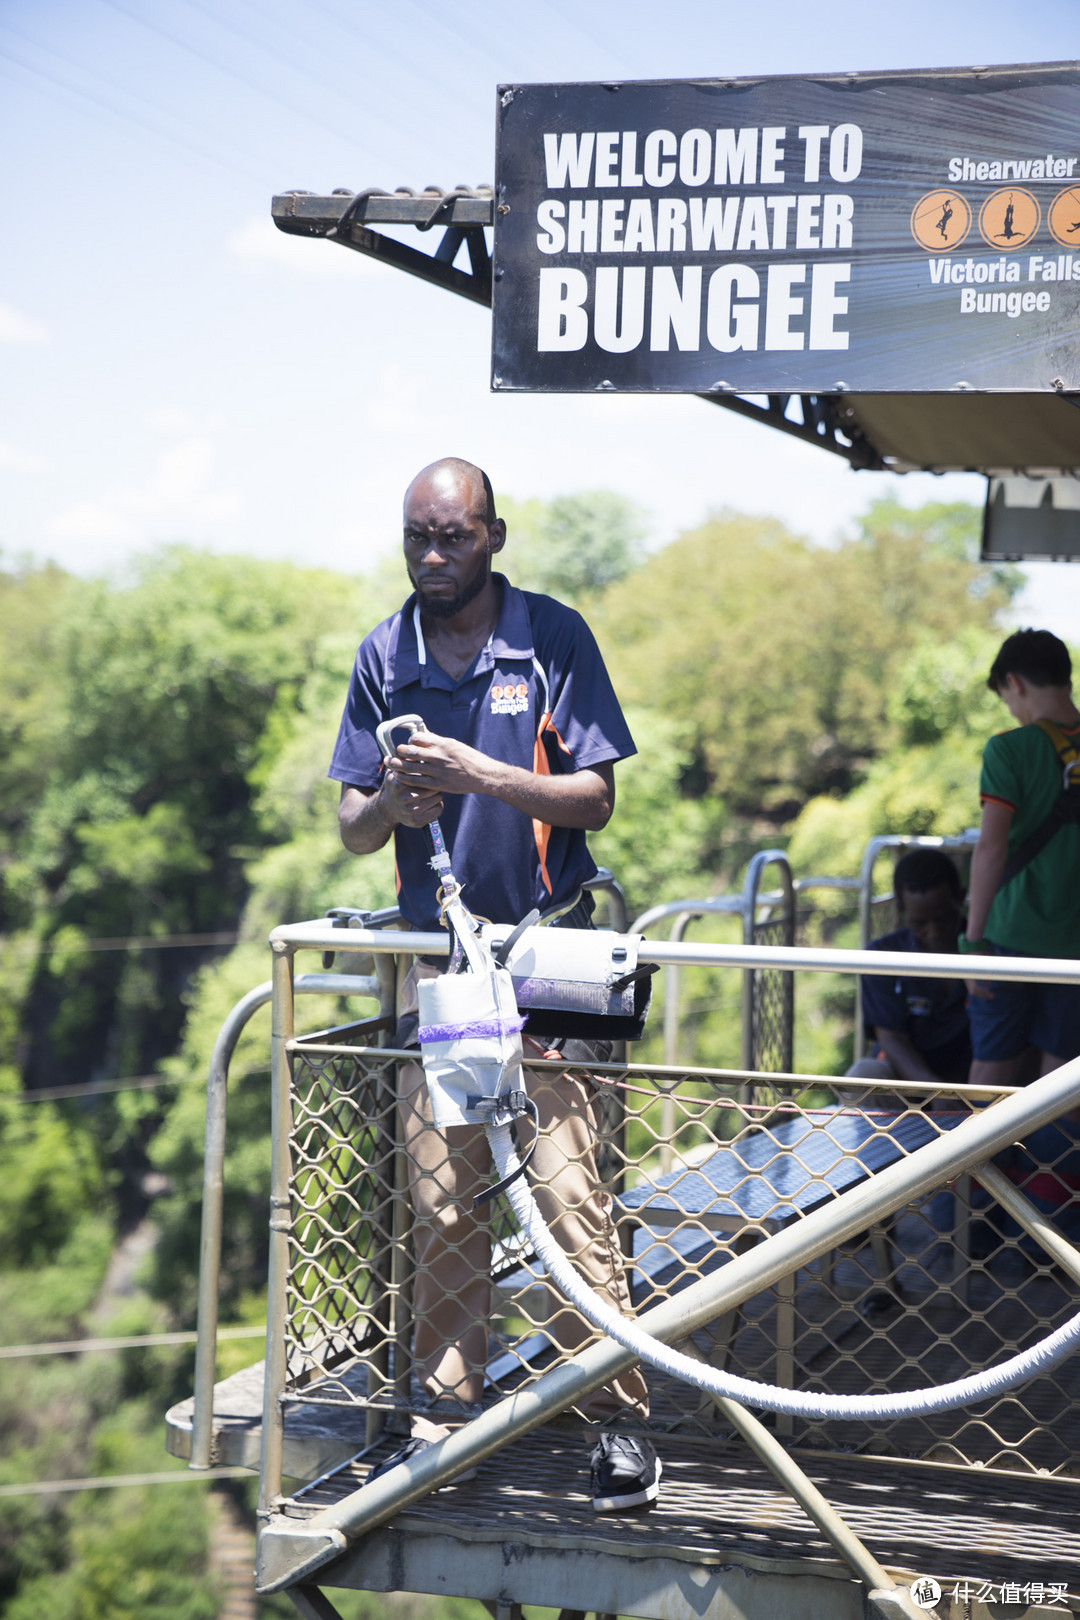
pixel 784 652
pixel 50 1178
pixel 156 693
pixel 134 1555
pixel 655 840
pixel 941 713
pixel 574 546
pixel 163 748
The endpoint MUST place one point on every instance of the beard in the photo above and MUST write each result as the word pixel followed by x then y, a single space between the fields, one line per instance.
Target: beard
pixel 445 607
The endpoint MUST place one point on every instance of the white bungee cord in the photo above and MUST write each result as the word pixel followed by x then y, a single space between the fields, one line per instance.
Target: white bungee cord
pixel 768 1397
pixel 624 1330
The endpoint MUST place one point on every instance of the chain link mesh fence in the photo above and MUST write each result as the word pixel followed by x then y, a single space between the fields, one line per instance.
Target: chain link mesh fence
pixel 943 1288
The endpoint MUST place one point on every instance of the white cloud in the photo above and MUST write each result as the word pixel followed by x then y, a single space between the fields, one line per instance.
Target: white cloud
pixel 12 459
pixel 175 420
pixel 15 327
pixel 260 243
pixel 178 500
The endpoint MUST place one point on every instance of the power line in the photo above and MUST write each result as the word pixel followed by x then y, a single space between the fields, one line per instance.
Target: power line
pixel 154 108
pixel 106 1482
pixel 131 1082
pixel 122 942
pixel 69 90
pixel 131 1341
pixel 231 72
pixel 97 1088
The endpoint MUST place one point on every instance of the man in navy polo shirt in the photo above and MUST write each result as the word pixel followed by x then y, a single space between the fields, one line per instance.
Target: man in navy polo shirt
pixel 516 761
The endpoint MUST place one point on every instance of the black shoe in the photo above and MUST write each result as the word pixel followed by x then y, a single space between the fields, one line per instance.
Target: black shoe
pixel 624 1473
pixel 413 1448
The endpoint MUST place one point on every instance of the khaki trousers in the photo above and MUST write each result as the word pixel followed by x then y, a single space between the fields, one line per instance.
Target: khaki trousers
pixel 452 1245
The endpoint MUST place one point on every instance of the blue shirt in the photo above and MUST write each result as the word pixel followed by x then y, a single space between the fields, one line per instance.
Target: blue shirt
pixel 536 696
pixel 932 1012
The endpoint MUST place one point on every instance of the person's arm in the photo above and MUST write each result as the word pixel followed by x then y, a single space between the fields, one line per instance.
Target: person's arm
pixel 367 816
pixel 429 765
pixel 905 1059
pixel 987 864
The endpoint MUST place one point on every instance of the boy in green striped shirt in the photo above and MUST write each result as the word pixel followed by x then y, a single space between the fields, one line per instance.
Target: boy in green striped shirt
pixel 1035 912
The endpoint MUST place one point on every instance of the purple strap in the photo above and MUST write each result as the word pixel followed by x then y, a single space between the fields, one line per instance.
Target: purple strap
pixel 482 1030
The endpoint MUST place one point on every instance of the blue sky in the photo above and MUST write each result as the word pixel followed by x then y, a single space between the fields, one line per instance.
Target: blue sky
pixel 175 369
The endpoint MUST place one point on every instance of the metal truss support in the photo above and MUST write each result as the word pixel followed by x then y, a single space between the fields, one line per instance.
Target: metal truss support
pixel 827 421
pixel 346 218
pixel 824 420
pixel 312 1604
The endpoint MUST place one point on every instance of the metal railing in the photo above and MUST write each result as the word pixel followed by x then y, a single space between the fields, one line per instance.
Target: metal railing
pixel 768 996
pixel 339 1311
pixel 780 1287
pixel 793 1221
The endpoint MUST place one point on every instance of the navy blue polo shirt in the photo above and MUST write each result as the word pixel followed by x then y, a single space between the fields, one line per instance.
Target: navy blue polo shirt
pixel 537 696
pixel 932 1012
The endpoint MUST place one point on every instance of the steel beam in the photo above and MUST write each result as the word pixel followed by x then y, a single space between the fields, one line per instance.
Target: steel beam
pixel 826 423
pixel 345 219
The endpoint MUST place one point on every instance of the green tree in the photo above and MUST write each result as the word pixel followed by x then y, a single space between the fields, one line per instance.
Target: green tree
pixel 574 546
pixel 779 655
pixel 143 819
pixel 941 713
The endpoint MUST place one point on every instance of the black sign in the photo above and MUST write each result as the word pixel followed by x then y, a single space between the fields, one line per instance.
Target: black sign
pixel 870 233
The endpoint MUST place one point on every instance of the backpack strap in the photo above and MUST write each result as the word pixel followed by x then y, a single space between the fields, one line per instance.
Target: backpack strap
pixel 1066 807
pixel 1068 752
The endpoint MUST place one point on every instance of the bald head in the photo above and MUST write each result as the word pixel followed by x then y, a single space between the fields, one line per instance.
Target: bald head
pixel 460 480
pixel 450 534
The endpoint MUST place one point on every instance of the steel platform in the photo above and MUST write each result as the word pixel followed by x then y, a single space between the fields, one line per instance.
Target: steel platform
pixel 724 1540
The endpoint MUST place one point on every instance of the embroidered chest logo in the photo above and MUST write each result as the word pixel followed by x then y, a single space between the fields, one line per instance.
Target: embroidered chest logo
pixel 509 699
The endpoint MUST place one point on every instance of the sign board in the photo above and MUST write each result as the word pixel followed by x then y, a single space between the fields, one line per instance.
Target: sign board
pixel 893 232
pixel 1029 518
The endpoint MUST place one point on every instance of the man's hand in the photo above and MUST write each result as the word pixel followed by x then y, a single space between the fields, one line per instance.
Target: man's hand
pixel 407 806
pixel 428 766
pixel 422 770
pixel 367 816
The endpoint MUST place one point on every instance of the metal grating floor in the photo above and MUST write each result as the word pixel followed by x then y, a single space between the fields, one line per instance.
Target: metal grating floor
pixel 724 1508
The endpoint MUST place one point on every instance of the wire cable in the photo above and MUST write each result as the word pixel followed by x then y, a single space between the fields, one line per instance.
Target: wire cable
pixel 71 90
pixel 112 1482
pixel 231 72
pixel 130 1341
pixel 131 1082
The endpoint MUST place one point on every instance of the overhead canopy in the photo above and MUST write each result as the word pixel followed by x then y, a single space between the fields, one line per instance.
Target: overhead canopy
pixel 883 265
pixel 967 432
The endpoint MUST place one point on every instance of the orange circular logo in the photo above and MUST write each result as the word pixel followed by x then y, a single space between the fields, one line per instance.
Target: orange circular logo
pixel 523 690
pixel 1063 217
pixel 1009 218
pixel 940 221
pixel 496 692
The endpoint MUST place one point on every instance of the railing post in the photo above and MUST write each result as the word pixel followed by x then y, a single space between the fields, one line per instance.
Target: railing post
pixel 213 1200
pixel 671 1042
pixel 390 971
pixel 751 1054
pixel 273 1425
pixel 866 901
pixel 385 1268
